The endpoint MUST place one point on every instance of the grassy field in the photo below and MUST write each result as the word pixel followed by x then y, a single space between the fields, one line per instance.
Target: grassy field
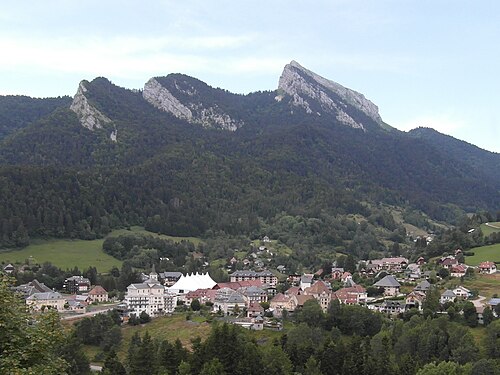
pixel 167 327
pixel 484 253
pixel 487 285
pixel 487 230
pixel 279 248
pixel 67 254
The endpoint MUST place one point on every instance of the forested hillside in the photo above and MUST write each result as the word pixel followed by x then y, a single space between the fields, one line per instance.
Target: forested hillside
pixel 62 179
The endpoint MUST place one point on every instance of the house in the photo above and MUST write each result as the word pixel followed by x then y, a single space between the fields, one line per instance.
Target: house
pixel 266 239
pixel 390 285
pixel 279 303
pixel 9 268
pixel 51 300
pixel 281 268
pixel 447 296
pixel 487 267
pixel 151 297
pixel 294 279
pixel 448 262
pixel 415 299
pixel 346 277
pixel 254 309
pixel 394 264
pixel 202 295
pixel 228 301
pixel 420 261
pixel 354 295
pixel 30 288
pixel 392 307
pixel 306 281
pixel 493 303
pixel 413 271
pixel 462 293
pixel 298 301
pixel 422 286
pixel 337 273
pixel 98 294
pixel 77 284
pixel 458 271
pixel 321 292
pixel 294 290
pixel 253 294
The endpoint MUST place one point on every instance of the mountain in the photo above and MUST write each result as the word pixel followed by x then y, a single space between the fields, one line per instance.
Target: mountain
pixel 185 158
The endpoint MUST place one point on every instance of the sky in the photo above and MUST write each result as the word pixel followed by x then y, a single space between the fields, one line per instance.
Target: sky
pixel 424 63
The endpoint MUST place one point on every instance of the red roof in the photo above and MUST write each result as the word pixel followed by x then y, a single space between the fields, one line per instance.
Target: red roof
pixel 317 288
pixel 293 291
pixel 486 265
pixel 98 290
pixel 238 284
pixel 280 297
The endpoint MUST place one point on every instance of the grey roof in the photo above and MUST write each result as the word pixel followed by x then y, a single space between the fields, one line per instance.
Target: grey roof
pixel 45 296
pixel 423 286
pixel 390 303
pixel 168 274
pixel 494 301
pixel 388 281
pixel 236 298
pixel 306 278
pixel 448 293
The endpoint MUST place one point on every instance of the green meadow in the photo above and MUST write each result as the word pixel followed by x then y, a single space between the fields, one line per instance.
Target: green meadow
pixel 491 228
pixel 67 254
pixel 484 253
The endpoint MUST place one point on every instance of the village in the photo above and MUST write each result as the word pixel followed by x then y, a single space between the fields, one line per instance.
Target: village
pixel 262 298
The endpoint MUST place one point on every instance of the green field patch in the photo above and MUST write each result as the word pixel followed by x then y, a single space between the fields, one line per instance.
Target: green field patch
pixel 491 228
pixel 486 285
pixel 484 253
pixel 278 247
pixel 170 328
pixel 67 254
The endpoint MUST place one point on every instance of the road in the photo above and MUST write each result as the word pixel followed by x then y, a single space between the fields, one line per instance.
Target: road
pixel 90 313
pixel 492 226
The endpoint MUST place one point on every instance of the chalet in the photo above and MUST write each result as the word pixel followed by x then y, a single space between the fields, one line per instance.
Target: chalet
pixel 392 307
pixel 9 268
pixel 202 295
pixel 413 271
pixel 394 264
pixel 266 239
pixel 390 285
pixel 51 300
pixel 254 309
pixel 294 279
pixel 420 261
pixel 32 287
pixel 294 290
pixel 98 294
pixel 487 267
pixel 462 293
pixel 281 268
pixel 346 277
pixel 458 271
pixel 354 295
pixel 423 286
pixel 415 300
pixel 448 262
pixel 321 292
pixel 337 273
pixel 493 304
pixel 306 281
pixel 447 296
pixel 298 301
pixel 233 261
pixel 279 303
pixel 77 284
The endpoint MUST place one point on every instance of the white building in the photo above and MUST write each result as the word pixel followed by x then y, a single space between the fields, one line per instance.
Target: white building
pixel 151 297
pixel 192 282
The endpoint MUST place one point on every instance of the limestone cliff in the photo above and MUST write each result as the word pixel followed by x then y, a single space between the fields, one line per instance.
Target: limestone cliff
pixel 306 88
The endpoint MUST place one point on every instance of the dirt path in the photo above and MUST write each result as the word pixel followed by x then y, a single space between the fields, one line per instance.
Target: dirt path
pixel 492 226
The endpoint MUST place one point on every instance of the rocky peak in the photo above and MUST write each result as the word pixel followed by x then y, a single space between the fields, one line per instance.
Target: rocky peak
pixel 307 88
pixel 89 116
pixel 180 97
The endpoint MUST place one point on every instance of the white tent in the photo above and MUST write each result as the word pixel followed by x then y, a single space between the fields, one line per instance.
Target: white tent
pixel 192 282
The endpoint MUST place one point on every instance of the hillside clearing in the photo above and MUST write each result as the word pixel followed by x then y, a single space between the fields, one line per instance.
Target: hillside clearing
pixel 484 253
pixel 67 254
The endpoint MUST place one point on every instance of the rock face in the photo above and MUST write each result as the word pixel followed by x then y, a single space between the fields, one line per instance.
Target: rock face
pixel 90 117
pixel 306 88
pixel 183 100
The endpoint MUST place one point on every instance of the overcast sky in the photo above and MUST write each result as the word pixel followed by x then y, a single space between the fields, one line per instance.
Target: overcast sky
pixel 424 63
